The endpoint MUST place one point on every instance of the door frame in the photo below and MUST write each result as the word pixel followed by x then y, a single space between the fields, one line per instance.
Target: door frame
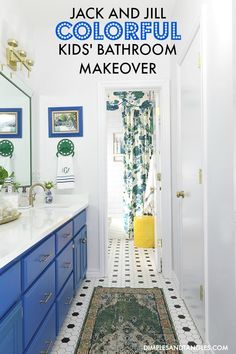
pixel 162 86
pixel 201 27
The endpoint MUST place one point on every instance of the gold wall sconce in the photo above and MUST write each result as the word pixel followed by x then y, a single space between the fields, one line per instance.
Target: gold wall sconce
pixel 17 56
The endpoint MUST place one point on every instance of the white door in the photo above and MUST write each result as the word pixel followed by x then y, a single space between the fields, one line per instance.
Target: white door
pixel 191 185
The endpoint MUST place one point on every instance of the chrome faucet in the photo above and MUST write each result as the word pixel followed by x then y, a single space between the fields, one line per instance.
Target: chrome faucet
pixel 32 195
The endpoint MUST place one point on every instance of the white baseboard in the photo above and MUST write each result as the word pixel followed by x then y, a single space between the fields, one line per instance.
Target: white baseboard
pixel 94 274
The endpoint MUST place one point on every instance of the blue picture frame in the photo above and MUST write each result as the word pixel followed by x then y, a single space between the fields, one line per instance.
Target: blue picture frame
pixel 11 123
pixel 65 122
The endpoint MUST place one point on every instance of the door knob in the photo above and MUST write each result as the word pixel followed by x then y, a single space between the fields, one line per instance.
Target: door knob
pixel 180 194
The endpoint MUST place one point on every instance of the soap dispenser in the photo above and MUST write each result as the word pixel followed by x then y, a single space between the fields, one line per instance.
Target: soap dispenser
pixel 24 200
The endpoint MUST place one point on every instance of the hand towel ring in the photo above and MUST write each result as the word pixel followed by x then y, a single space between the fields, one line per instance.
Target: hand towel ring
pixel 65 147
pixel 6 148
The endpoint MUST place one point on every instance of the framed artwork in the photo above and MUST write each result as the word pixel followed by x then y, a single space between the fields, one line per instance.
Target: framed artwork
pixel 118 147
pixel 11 123
pixel 65 121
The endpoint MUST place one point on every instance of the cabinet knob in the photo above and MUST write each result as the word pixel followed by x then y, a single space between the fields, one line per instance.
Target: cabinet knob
pixel 83 240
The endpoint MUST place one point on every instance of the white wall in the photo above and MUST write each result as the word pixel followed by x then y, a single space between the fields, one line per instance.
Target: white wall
pixel 114 169
pixel 219 165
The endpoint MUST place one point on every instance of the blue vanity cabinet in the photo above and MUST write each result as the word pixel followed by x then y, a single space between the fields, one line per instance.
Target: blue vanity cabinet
pixel 11 340
pixel 80 257
pixel 37 289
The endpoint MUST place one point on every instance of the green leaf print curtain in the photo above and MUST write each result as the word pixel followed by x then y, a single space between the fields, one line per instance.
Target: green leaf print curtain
pixel 137 114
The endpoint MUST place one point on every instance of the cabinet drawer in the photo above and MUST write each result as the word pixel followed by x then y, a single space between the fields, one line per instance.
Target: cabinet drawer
pixel 64 266
pixel 38 260
pixel 10 287
pixel 44 339
pixel 37 302
pixel 79 222
pixel 64 301
pixel 11 332
pixel 64 235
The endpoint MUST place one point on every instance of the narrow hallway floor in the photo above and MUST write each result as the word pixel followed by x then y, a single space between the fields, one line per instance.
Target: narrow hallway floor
pixel 132 267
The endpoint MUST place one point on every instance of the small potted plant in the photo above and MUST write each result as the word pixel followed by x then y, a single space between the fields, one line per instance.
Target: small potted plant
pixel 48 186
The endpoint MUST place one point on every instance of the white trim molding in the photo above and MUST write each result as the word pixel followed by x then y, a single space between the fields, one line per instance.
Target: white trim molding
pixel 94 274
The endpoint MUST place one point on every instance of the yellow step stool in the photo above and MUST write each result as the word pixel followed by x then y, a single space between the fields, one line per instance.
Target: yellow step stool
pixel 144 231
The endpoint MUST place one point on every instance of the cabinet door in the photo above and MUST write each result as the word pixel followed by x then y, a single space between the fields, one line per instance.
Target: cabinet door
pixel 80 257
pixel 83 251
pixel 11 332
pixel 77 262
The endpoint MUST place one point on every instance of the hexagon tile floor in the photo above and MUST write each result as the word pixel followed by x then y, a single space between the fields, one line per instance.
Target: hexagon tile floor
pixel 128 266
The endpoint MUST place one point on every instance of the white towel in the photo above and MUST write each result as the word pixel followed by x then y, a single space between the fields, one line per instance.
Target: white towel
pixel 65 172
pixel 7 163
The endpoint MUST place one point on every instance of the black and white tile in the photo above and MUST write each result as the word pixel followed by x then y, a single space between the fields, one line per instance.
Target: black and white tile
pixel 128 267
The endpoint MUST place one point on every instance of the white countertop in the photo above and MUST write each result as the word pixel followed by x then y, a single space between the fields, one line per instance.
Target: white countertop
pixel 36 223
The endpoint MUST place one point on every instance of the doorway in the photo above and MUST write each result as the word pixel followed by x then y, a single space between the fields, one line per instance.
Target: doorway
pixel 131 167
pixel 191 183
pixel 163 92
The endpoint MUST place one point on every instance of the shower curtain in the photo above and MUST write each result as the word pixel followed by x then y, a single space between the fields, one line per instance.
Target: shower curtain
pixel 137 115
pixel 138 150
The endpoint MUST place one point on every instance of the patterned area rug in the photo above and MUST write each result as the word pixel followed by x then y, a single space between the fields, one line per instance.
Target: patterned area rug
pixel 127 321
